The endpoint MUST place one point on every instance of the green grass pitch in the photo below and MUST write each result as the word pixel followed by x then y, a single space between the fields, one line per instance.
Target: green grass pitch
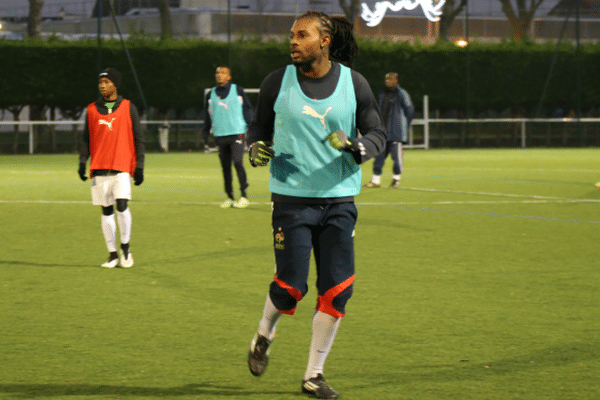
pixel 477 279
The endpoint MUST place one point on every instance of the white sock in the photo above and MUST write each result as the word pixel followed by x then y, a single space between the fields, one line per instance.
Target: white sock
pixel 124 221
pixel 324 328
pixel 396 177
pixel 109 229
pixel 268 323
pixel 376 179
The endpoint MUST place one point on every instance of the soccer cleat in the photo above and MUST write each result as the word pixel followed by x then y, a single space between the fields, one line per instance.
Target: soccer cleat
pixel 227 203
pixel 371 185
pixel 598 185
pixel 258 355
pixel 318 388
pixel 242 203
pixel 126 262
pixel 111 263
pixel 394 184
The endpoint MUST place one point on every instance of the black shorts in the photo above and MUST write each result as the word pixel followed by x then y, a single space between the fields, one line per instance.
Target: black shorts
pixel 328 230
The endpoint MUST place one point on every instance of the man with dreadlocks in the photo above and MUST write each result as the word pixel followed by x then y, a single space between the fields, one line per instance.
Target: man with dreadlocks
pixel 307 121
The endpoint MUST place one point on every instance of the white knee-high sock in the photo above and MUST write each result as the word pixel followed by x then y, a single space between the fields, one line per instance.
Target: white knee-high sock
pixel 109 230
pixel 268 323
pixel 324 328
pixel 124 221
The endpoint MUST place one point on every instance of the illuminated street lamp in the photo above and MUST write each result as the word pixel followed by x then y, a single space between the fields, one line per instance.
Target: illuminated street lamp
pixel 461 43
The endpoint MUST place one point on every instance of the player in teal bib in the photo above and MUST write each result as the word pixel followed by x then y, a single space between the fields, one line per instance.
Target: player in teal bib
pixel 310 112
pixel 229 111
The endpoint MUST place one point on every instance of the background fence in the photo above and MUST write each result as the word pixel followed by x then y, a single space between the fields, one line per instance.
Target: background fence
pixel 186 135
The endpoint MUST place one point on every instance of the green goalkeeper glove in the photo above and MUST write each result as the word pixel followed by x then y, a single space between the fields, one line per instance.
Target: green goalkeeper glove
pixel 260 154
pixel 340 141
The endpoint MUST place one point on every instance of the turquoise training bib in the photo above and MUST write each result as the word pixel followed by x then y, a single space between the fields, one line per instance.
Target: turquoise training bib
pixel 227 114
pixel 304 166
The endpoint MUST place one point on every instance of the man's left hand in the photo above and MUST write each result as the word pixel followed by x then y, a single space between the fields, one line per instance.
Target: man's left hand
pixel 138 176
pixel 82 172
pixel 340 141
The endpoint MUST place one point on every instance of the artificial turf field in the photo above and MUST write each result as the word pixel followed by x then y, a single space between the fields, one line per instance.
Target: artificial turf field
pixel 477 279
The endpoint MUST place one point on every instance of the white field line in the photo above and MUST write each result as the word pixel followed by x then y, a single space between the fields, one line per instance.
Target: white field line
pixel 554 199
pixel 595 171
pixel 268 203
pixel 525 199
pixel 422 206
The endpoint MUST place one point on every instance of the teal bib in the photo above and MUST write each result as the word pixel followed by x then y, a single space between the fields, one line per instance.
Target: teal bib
pixel 227 114
pixel 304 166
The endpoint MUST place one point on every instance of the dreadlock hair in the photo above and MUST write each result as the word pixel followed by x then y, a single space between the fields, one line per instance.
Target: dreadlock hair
pixel 343 47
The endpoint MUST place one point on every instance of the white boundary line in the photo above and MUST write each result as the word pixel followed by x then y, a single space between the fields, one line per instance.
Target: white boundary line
pixel 409 206
pixel 499 194
pixel 359 203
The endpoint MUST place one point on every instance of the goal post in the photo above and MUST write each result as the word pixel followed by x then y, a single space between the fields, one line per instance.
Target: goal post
pixel 419 138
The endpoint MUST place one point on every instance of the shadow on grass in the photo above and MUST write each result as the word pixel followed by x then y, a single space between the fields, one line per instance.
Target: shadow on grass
pixel 572 354
pixel 235 252
pixel 40 264
pixel 216 255
pixel 32 390
pixel 592 194
pixel 556 356
pixel 387 223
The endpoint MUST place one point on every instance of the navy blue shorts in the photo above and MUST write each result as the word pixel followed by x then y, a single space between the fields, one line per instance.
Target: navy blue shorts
pixel 329 231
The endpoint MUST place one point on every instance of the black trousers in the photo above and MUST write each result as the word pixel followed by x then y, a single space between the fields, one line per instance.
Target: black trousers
pixel 231 150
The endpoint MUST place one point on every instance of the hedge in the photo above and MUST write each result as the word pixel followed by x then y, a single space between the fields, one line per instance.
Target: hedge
pixel 174 73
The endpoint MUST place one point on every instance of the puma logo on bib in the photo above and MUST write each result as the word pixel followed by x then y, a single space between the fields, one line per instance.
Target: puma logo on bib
pixel 310 111
pixel 104 122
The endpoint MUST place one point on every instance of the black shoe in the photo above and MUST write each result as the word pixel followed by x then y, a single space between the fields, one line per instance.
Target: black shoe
pixel 394 184
pixel 258 355
pixel 318 388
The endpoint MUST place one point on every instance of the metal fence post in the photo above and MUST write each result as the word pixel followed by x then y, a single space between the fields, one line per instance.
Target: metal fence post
pixel 523 137
pixel 30 138
pixel 426 119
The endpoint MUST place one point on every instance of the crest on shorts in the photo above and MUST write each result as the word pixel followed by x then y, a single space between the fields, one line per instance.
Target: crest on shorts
pixel 279 238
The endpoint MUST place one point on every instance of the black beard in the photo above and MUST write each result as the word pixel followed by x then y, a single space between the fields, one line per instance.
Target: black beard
pixel 305 66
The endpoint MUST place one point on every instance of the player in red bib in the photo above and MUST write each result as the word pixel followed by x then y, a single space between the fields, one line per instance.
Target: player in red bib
pixel 114 140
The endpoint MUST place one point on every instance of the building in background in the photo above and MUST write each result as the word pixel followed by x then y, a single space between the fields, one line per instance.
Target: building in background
pixel 18 9
pixel 587 8
pixel 223 19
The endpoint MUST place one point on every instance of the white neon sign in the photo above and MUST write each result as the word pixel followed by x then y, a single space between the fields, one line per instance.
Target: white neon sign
pixel 432 11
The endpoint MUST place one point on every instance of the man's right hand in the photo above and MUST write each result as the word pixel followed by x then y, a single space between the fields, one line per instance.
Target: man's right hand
pixel 260 154
pixel 82 172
